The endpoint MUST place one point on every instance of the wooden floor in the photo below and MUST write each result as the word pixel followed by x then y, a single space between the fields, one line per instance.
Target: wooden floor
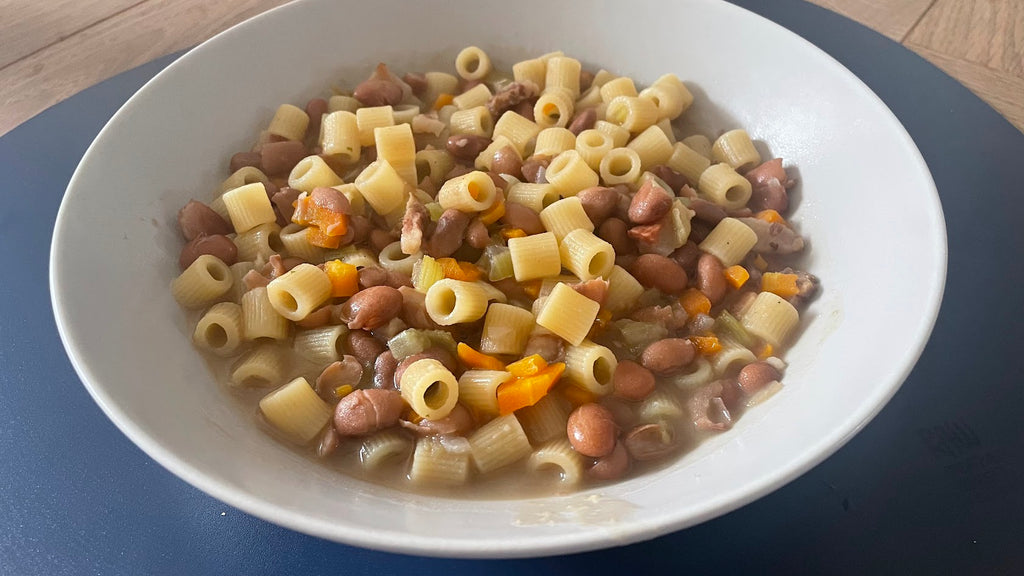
pixel 52 49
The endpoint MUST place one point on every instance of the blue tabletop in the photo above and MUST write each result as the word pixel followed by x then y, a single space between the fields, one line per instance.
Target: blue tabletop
pixel 933 485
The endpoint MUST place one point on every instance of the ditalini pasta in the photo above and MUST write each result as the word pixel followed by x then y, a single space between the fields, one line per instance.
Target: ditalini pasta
pixel 417 280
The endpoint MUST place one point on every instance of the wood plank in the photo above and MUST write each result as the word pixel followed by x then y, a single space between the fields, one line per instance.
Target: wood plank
pixel 128 39
pixel 1002 91
pixel 986 32
pixel 894 18
pixel 30 25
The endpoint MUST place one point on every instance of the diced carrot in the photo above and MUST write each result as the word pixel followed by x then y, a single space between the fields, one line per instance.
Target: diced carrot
pixel 513 233
pixel 344 278
pixel 491 215
pixel 529 366
pixel 766 352
pixel 443 100
pixel 771 216
pixel 456 270
pixel 577 396
pixel 303 214
pixel 783 285
pixel 760 263
pixel 532 288
pixel 694 302
pixel 343 390
pixel 331 223
pixel 706 345
pixel 474 359
pixel 736 276
pixel 526 391
pixel 316 237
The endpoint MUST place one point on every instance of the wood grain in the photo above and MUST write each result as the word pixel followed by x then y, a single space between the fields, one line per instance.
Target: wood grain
pixel 52 49
pixel 30 25
pixel 986 32
pixel 1001 90
pixel 894 18
pixel 127 39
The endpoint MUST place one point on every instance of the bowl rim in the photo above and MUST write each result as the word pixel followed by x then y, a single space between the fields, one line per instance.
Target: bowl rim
pixel 636 529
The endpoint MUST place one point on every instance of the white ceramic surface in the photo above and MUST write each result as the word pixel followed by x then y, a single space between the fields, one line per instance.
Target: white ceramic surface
pixel 115 252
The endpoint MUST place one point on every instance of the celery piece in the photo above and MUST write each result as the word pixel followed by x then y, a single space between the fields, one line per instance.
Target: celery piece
pixel 435 210
pixel 727 325
pixel 443 339
pixel 425 273
pixel 500 258
pixel 414 340
pixel 408 342
pixel 639 335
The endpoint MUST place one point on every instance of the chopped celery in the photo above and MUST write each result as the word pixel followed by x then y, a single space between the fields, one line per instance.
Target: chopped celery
pixel 435 210
pixel 727 325
pixel 500 258
pixel 639 335
pixel 413 341
pixel 425 272
pixel 408 342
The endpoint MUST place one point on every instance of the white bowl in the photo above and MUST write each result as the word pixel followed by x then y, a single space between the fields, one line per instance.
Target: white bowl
pixel 868 206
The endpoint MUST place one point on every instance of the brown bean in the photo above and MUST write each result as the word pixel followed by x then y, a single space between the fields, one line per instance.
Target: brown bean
pixel 585 120
pixel 551 348
pixel 254 280
pixel 711 278
pixel 448 234
pixel 499 182
pixel 329 441
pixel 649 442
pixel 650 203
pixel 687 256
pixel 611 467
pixel 586 80
pixel 384 367
pixel 330 199
pixel 467 147
pixel 243 159
pixel 366 411
pixel 522 217
pixel 707 211
pixel 315 109
pixel 525 109
pixel 317 318
pixel 364 346
pixel 372 307
pixel 675 180
pixel 217 245
pixel 534 167
pixel 596 289
pixel 197 219
pixel 615 232
pixel 592 430
pixel 284 201
pixel 379 89
pixel 477 235
pixel 457 422
pixel 416 81
pixel 379 239
pixel 507 161
pixel 278 158
pixel 757 375
pixel 347 371
pixel 657 271
pixel 632 381
pixel 668 356
pixel 598 202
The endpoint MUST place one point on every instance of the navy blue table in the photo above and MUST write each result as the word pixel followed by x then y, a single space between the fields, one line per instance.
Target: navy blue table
pixel 933 485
